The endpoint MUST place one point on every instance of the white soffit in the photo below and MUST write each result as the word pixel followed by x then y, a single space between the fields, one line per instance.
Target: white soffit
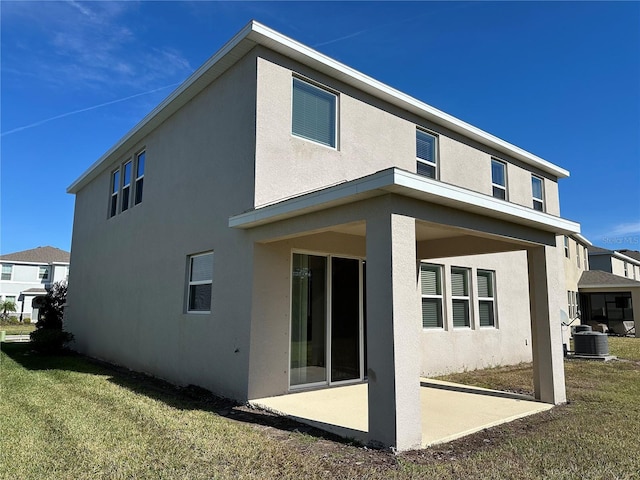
pixel 256 33
pixel 407 184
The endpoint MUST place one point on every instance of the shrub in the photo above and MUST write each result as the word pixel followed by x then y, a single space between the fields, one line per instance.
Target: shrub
pixel 26 320
pixel 49 340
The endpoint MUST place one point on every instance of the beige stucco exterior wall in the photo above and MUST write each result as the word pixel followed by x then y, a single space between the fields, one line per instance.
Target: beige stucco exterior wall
pixel 372 136
pixel 617 266
pixel 127 286
pixel 455 349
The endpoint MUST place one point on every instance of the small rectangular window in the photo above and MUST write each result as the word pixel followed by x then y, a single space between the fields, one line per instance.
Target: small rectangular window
pixel 7 272
pixel 578 255
pixel 139 178
pixel 200 283
pixel 566 247
pixel 126 185
pixel 43 273
pixel 431 287
pixel 499 179
pixel 314 113
pixel 10 298
pixel 426 154
pixel 460 296
pixel 486 298
pixel 537 192
pixel 626 269
pixel 115 188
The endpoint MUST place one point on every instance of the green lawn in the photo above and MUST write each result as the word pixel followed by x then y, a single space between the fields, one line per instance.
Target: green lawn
pixel 18 329
pixel 66 418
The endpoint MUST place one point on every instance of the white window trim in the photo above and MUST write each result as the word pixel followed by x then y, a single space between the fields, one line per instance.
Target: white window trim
pixel 197 282
pixel 467 298
pixel 47 270
pixel 434 297
pixel 578 256
pixel 436 152
pixel 542 189
pixel 115 192
pixel 326 89
pixel 626 269
pixel 489 299
pixel 10 265
pixel 497 185
pixel 567 252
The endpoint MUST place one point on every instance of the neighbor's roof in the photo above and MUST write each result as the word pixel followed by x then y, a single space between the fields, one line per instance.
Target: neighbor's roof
pixel 635 254
pixel 38 255
pixel 34 291
pixel 257 34
pixel 598 279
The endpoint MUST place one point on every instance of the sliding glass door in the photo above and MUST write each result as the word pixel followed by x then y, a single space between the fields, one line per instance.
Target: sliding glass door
pixel 327 320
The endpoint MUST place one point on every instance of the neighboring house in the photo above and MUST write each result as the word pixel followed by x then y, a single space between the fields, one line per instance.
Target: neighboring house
pixel 610 291
pixel 27 275
pixel 282 221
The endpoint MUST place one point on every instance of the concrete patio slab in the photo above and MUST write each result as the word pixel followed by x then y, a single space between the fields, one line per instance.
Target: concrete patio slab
pixel 449 410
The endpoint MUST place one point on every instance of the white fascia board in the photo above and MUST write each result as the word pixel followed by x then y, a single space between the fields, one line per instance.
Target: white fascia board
pixel 407 184
pixel 21 262
pixel 291 48
pixel 582 239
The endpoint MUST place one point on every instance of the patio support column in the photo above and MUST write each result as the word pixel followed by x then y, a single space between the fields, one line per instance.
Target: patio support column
pixel 546 297
pixel 393 332
pixel 635 303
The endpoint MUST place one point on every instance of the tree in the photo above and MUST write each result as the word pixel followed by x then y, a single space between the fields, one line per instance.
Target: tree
pixel 49 337
pixel 7 307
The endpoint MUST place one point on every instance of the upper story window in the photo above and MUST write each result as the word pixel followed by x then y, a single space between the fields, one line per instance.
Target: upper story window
pixel 460 296
pixel 537 192
pixel 586 259
pixel 7 272
pixel 626 269
pixel 139 177
pixel 566 247
pixel 126 185
pixel 499 179
pixel 200 283
pixel 486 298
pixel 578 254
pixel 122 182
pixel 427 154
pixel 43 273
pixel 115 188
pixel 431 286
pixel 314 113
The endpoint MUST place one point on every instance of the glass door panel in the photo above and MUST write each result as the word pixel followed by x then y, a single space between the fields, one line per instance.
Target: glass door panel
pixel 308 320
pixel 345 319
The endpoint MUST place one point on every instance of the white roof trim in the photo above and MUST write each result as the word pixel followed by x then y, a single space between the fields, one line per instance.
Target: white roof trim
pixel 409 184
pixel 256 33
pixel 622 256
pixel 582 239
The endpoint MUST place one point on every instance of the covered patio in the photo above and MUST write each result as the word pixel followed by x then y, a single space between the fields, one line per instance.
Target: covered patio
pixel 391 220
pixel 448 410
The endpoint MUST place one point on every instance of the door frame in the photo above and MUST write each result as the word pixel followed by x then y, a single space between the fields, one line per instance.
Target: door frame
pixel 328 318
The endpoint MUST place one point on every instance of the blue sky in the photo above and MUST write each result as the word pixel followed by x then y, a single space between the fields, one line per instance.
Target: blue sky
pixel 561 80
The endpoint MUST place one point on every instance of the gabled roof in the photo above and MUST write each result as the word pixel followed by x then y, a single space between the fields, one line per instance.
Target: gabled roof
pixel 620 254
pixel 598 278
pixel 257 34
pixel 38 255
pixel 593 250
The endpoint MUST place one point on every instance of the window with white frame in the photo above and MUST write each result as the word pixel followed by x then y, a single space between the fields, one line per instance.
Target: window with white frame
pixel 486 298
pixel 139 177
pixel 586 258
pixel 626 269
pixel 537 192
pixel 499 179
pixel 431 285
pixel 126 185
pixel 10 298
pixel 43 273
pixel 572 301
pixel 115 188
pixel 426 154
pixel 200 283
pixel 566 247
pixel 314 115
pixel 460 297
pixel 7 272
pixel 578 255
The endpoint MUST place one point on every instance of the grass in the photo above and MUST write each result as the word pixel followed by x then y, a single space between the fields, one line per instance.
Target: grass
pixel 66 417
pixel 18 329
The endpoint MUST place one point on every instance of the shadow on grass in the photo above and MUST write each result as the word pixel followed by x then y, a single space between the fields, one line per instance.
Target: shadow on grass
pixel 182 398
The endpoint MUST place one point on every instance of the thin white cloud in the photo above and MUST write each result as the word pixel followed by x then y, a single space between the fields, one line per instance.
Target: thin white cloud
pixel 631 228
pixel 87 109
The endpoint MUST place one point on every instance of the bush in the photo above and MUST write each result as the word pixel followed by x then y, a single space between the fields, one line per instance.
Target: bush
pixel 26 320
pixel 49 340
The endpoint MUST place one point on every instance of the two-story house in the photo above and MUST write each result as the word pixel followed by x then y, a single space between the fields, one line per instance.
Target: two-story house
pixel 283 222
pixel 27 275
